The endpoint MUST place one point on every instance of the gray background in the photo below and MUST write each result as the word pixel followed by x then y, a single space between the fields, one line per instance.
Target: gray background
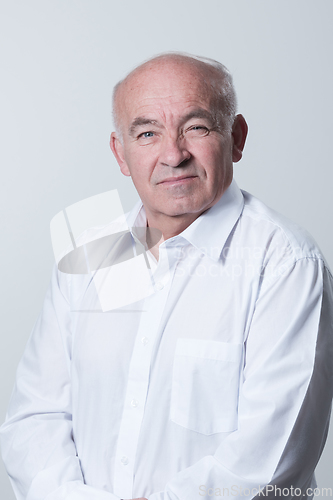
pixel 59 62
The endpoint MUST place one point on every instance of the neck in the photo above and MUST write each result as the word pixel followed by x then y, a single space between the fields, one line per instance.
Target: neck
pixel 168 226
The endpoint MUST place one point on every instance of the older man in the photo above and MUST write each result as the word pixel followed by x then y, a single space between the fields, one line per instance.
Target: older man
pixel 218 383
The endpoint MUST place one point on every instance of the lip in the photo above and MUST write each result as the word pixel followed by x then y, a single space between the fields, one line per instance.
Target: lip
pixel 177 180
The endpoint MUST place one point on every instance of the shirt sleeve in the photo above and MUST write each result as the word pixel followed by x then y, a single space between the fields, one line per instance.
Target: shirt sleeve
pixel 284 400
pixel 36 439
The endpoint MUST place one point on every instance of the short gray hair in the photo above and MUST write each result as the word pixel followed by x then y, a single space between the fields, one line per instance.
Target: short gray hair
pixel 220 79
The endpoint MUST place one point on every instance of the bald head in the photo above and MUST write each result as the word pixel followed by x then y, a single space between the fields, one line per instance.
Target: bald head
pixel 214 78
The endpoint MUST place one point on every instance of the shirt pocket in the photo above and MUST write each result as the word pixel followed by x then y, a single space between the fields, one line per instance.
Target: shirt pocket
pixel 205 385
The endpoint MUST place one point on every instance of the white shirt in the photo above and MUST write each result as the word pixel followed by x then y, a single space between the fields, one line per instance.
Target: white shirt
pixel 221 378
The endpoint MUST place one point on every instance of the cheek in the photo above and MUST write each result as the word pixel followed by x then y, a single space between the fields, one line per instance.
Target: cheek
pixel 214 162
pixel 141 154
pixel 140 168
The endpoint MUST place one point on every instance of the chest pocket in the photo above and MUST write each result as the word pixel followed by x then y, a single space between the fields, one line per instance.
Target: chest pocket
pixel 205 385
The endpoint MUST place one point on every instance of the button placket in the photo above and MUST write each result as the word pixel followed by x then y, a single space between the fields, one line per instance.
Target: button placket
pixel 137 387
pixel 136 393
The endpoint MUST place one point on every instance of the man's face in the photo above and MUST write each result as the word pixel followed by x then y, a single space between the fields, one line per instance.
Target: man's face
pixel 179 160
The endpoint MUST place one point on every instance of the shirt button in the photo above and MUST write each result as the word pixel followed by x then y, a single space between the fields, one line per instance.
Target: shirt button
pixel 159 285
pixel 124 460
pixel 134 403
pixel 145 340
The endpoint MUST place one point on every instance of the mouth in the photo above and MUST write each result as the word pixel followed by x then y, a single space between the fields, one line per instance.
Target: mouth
pixel 182 179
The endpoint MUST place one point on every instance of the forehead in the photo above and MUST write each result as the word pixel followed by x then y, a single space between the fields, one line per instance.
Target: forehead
pixel 164 87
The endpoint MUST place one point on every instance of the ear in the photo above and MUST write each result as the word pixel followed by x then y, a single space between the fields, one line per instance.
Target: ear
pixel 239 133
pixel 117 149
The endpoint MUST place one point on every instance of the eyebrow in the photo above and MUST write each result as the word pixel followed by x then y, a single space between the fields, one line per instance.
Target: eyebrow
pixel 141 121
pixel 199 113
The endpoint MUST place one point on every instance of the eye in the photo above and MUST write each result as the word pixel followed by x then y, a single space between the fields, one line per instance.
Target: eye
pixel 197 131
pixel 146 135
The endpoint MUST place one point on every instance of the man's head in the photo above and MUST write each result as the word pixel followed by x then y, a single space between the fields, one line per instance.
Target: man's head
pixel 177 134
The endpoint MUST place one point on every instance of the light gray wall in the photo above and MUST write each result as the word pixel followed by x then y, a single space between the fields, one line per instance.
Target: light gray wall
pixel 60 60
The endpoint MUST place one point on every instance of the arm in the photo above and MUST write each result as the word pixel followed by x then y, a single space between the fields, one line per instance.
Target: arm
pixel 37 442
pixel 285 394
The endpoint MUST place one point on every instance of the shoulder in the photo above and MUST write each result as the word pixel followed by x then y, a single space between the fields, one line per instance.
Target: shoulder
pixel 274 230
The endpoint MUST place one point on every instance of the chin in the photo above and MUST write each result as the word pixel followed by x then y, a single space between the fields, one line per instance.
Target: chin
pixel 177 209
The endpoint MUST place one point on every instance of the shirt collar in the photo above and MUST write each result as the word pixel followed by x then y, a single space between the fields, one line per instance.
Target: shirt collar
pixel 209 232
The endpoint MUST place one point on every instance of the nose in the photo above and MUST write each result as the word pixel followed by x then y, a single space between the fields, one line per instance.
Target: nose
pixel 173 152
